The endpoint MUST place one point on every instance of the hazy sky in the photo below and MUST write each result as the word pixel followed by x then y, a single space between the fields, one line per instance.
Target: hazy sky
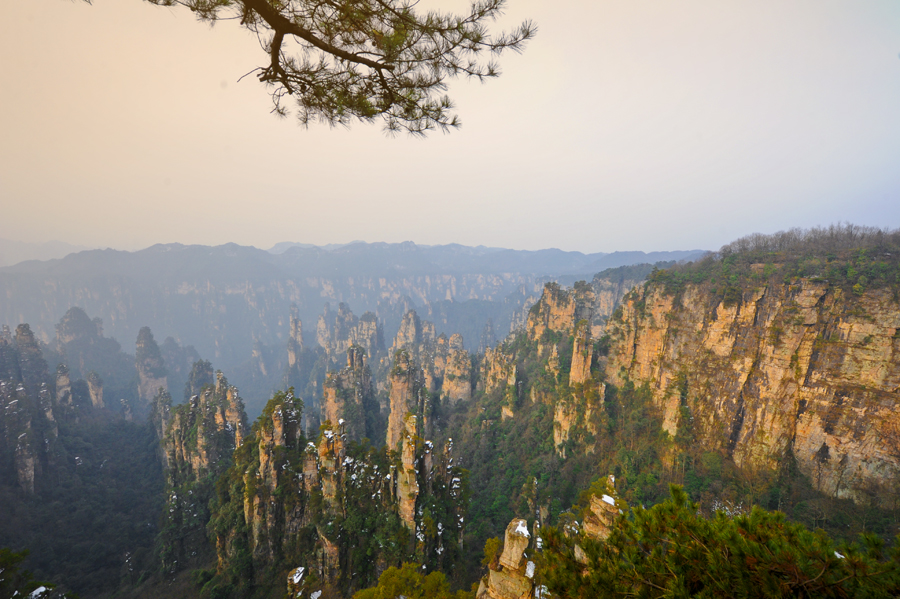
pixel 651 125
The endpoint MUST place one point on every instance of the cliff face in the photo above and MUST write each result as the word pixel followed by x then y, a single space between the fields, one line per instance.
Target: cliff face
pixel 337 332
pixel 348 398
pixel 609 292
pixel 197 441
pixel 446 366
pixel 559 309
pixel 415 335
pixel 28 424
pixel 295 341
pixel 95 389
pixel 795 368
pixel 407 395
pixel 150 366
pixel 344 512
pixel 456 370
pixel 201 435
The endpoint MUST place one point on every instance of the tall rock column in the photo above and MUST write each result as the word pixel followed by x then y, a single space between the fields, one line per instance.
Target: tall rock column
pixel 582 354
pixel 407 483
pixel 348 393
pixel 457 383
pixel 511 577
pixel 31 361
pixel 406 383
pixel 295 341
pixel 150 366
pixel 95 389
pixel 63 386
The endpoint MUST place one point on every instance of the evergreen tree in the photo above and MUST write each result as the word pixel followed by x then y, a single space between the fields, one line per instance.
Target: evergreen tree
pixel 670 550
pixel 367 58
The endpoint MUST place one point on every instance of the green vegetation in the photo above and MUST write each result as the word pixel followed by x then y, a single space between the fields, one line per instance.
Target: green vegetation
pixel 408 581
pixel 671 550
pixel 849 257
pixel 515 469
pixel 369 60
pixel 93 522
pixel 13 581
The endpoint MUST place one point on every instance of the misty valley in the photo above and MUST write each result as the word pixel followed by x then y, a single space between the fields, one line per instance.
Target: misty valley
pixel 384 420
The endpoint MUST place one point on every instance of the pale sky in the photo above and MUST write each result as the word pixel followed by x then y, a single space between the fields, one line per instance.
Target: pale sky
pixel 625 125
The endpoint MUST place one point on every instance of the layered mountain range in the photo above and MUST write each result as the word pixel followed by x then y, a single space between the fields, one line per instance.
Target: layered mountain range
pixel 757 376
pixel 222 300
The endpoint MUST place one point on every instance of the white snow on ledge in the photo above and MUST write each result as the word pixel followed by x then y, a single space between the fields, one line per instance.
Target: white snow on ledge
pixel 609 500
pixel 522 529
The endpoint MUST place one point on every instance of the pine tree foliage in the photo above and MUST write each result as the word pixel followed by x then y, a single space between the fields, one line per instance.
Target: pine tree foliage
pixel 671 550
pixel 341 60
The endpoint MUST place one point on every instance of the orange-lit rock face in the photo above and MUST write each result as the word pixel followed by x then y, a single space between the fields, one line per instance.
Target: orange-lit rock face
pixel 512 577
pixel 346 394
pixel 794 366
pixel 406 383
pixel 560 309
pixel 582 354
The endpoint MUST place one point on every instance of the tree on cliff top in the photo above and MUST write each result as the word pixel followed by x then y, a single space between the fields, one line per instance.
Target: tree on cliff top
pixel 364 59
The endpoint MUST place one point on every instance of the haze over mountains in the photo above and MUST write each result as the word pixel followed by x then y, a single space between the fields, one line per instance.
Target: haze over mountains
pixel 206 296
pixel 13 252
pixel 233 303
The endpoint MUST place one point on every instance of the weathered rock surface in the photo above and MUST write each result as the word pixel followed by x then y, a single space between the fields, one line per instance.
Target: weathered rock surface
pixel 602 512
pixel 559 309
pixel 201 435
pixel 795 367
pixel 95 389
pixel 498 370
pixel 63 386
pixel 407 394
pixel 512 576
pixel 28 422
pixel 295 341
pixel 348 396
pixel 337 332
pixel 150 366
pixel 582 354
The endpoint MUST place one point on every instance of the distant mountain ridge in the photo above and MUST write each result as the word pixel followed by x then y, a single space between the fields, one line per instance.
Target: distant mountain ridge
pixel 14 252
pixel 226 299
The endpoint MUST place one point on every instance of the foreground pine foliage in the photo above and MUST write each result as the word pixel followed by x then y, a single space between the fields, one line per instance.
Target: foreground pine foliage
pixel 672 551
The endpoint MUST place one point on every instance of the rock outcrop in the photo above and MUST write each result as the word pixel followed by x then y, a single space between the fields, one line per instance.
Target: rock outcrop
pixel 295 341
pixel 202 433
pixel 345 501
pixel 407 394
pixel 95 389
pixel 795 368
pixel 498 370
pixel 150 366
pixel 63 386
pixel 603 511
pixel 28 422
pixel 406 474
pixel 582 354
pixel 446 366
pixel 559 309
pixel 512 576
pixel 348 396
pixel 415 335
pixel 456 371
pixel 337 332
pixel 198 440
